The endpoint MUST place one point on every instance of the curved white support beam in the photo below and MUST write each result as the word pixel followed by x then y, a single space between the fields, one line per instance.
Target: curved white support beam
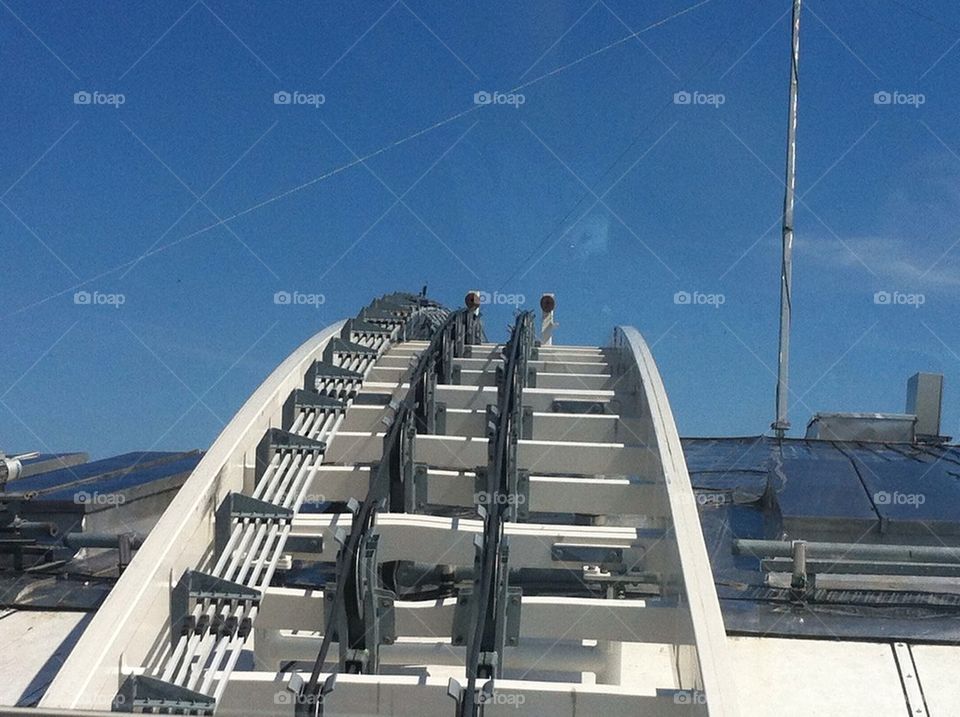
pixel 712 656
pixel 123 631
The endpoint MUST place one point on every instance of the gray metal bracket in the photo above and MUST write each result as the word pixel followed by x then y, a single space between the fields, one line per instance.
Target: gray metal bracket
pixel 196 587
pixel 420 483
pixel 300 399
pixel 506 620
pixel 238 505
pixel 480 489
pixel 381 316
pixel 464 616
pixel 321 372
pixel 456 691
pixel 342 347
pixel 519 509
pixel 359 326
pixel 425 403
pixel 377 625
pixel 307 704
pixel 278 440
pixel 526 425
pixel 140 693
pixel 402 489
pixel 440 418
pixel 516 501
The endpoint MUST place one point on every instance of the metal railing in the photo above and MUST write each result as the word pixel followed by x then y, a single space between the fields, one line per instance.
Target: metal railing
pixel 357 603
pixel 485 649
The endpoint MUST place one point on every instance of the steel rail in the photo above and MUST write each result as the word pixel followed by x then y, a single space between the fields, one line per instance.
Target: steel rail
pixel 509 401
pixel 378 494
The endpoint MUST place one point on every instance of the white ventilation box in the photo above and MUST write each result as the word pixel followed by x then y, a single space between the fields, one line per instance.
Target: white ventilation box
pixel 924 400
pixel 870 427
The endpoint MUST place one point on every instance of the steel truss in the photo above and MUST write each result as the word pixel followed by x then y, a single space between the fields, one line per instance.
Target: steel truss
pixel 475 527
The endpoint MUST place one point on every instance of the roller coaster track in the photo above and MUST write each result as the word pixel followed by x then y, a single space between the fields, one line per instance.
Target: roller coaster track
pixel 476 527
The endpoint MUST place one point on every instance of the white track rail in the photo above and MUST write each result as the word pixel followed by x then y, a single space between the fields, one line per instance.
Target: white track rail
pixel 665 653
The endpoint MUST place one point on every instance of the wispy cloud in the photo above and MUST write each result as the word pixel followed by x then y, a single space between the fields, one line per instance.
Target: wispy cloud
pixel 905 262
pixel 591 236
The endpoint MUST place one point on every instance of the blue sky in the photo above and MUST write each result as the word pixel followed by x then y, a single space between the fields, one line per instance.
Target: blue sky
pixel 198 197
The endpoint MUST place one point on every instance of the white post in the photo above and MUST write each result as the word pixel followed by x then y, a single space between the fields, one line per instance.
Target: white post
pixel 547 304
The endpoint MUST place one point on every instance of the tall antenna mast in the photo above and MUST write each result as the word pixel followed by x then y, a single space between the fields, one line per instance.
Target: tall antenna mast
pixel 782 424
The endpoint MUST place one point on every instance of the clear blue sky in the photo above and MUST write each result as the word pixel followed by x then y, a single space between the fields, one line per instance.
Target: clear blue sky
pixel 198 198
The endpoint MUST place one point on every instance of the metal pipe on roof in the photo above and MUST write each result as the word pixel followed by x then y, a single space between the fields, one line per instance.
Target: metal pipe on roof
pixel 848 551
pixel 782 423
pixel 100 540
